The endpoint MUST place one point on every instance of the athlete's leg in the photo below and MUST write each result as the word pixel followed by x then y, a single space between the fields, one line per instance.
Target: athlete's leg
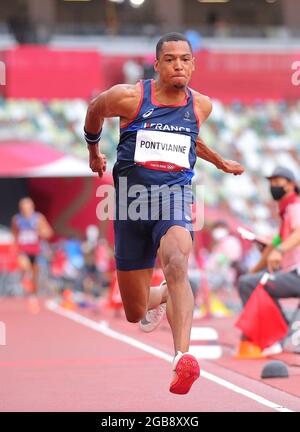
pixel 175 248
pixel 157 295
pixel 25 266
pixel 135 258
pixel 35 277
pixel 134 288
pixel 29 268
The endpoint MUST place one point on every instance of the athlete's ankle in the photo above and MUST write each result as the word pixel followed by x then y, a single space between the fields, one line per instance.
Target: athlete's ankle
pixel 165 293
pixel 177 356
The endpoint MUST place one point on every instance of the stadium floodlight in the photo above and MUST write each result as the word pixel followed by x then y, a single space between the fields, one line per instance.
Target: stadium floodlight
pixel 213 1
pixel 136 3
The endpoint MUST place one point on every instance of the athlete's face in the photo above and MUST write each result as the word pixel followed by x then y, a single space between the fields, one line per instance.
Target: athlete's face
pixel 175 64
pixel 26 207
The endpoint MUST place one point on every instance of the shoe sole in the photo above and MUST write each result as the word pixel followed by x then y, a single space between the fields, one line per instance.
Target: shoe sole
pixel 188 371
pixel 149 327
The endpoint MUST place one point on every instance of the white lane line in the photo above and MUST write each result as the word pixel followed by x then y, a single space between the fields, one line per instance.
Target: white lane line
pixel 102 328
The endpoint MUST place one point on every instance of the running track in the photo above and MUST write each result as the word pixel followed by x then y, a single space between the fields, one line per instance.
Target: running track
pixel 61 360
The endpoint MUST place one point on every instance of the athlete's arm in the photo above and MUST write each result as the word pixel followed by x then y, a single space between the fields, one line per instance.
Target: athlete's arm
pixel 14 229
pixel 204 108
pixel 206 153
pixel 119 101
pixel 45 230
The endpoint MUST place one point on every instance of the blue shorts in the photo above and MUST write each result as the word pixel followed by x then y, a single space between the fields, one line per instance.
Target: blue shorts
pixel 137 239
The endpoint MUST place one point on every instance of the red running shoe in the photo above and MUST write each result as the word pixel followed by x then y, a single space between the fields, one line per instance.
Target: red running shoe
pixel 187 370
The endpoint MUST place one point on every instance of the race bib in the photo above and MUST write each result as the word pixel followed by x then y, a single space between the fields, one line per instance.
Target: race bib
pixel 162 150
pixel 27 237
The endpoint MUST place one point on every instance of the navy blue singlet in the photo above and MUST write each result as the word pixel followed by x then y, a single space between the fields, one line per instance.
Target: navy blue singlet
pixel 157 149
pixel 154 121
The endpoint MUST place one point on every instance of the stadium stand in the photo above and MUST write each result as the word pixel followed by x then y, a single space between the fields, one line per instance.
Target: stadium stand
pixel 260 136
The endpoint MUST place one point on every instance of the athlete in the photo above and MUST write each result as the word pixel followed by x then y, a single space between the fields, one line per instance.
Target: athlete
pixel 29 227
pixel 159 144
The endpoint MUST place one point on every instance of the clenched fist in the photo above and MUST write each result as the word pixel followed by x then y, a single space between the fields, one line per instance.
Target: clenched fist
pixel 232 167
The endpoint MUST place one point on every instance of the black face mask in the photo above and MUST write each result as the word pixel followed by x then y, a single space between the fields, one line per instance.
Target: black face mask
pixel 277 192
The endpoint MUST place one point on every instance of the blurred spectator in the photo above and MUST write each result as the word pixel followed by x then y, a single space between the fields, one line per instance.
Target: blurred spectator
pixel 148 66
pixel 91 276
pixel 9 272
pixel 195 40
pixel 21 26
pixel 225 253
pixel 66 265
pixel 105 260
pixel 218 27
pixel 132 71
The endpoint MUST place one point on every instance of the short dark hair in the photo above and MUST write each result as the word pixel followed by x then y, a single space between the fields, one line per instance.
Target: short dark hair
pixel 170 37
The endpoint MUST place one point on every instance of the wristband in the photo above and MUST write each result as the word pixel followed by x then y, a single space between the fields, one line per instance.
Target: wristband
pixel 92 139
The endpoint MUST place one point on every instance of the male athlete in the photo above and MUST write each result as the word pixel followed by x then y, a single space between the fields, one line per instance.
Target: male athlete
pixel 159 144
pixel 28 228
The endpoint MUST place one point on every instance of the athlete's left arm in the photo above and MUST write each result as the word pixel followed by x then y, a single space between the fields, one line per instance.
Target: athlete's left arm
pixel 206 153
pixel 204 108
pixel 45 230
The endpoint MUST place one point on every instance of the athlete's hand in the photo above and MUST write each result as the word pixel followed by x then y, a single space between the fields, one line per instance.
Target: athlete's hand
pixel 232 167
pixel 98 164
pixel 274 261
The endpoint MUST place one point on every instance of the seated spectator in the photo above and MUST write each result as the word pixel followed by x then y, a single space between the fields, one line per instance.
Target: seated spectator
pixel 282 257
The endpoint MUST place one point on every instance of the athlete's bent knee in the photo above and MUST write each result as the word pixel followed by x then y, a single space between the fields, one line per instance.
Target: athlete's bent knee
pixel 135 316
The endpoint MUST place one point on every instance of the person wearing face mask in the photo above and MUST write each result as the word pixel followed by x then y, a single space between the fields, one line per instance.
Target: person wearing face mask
pixel 282 257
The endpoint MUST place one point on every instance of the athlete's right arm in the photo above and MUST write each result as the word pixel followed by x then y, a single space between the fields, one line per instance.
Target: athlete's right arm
pixel 119 101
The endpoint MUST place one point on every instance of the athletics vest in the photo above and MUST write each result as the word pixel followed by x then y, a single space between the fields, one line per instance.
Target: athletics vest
pixel 158 146
pixel 28 238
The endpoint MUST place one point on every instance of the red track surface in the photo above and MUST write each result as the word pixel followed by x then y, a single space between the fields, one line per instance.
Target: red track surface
pixel 51 363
